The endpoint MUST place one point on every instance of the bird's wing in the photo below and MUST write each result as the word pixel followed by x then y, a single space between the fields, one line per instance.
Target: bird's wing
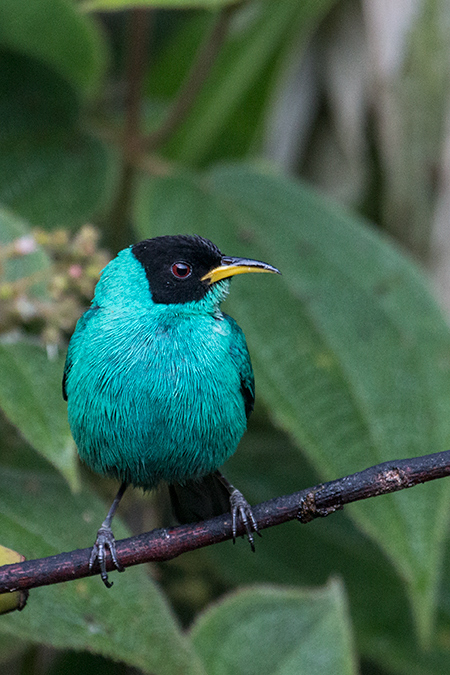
pixel 80 328
pixel 239 352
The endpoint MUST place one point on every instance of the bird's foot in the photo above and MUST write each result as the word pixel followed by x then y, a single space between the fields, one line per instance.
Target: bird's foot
pixel 240 508
pixel 105 540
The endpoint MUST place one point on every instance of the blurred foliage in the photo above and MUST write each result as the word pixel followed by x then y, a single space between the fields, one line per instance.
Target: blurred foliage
pixel 47 278
pixel 151 121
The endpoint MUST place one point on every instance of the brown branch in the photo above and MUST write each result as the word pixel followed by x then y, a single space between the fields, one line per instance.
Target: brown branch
pixel 165 544
pixel 186 96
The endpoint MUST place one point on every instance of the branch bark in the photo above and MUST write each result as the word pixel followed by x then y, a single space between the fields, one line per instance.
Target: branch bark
pixel 168 543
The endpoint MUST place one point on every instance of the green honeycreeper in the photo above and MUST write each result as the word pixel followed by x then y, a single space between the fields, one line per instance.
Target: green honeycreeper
pixel 159 382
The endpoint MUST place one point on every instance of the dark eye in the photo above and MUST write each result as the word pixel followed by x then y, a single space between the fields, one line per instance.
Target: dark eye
pixel 181 270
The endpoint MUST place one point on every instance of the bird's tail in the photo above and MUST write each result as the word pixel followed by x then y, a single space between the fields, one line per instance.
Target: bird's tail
pixel 199 499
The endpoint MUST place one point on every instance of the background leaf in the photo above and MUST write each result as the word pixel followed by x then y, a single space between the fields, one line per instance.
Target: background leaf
pixel 227 115
pixel 30 396
pixel 51 171
pixel 272 630
pixel 10 649
pixel 117 5
pixel 55 33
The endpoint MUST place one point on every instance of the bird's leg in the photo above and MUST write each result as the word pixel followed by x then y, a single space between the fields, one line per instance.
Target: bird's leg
pixel 105 539
pixel 240 508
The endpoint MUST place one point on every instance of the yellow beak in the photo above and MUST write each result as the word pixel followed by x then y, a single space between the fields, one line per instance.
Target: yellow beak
pixel 232 266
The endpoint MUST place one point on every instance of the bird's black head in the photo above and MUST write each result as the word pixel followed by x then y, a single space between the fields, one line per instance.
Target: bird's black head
pixel 175 266
pixel 182 268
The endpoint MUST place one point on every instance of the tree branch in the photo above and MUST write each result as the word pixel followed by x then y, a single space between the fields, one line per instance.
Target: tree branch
pixel 168 543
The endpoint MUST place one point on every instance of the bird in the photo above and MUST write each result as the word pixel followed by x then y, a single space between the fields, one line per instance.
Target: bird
pixel 158 380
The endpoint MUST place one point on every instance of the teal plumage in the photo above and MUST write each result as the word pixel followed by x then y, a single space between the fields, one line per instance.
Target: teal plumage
pixel 142 404
pixel 158 380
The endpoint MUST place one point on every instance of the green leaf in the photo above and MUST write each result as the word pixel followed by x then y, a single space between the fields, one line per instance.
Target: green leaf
pixel 30 396
pixel 51 172
pixel 405 658
pixel 351 353
pixel 57 34
pixel 272 630
pixel 118 5
pixel 10 649
pixel 131 622
pixel 229 109
pixel 172 62
pixel 56 184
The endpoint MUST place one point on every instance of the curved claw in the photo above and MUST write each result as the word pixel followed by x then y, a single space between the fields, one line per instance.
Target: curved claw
pixel 242 509
pixel 105 540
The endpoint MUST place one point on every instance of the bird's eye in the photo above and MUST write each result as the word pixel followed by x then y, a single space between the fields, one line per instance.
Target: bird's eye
pixel 181 270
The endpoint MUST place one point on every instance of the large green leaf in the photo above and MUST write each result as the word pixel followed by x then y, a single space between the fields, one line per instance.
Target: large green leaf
pixel 266 630
pixel 30 396
pixel 351 353
pixel 55 33
pixel 51 171
pixel 130 622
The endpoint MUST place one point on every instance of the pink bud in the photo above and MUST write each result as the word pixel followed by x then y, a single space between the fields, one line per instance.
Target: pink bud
pixel 75 271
